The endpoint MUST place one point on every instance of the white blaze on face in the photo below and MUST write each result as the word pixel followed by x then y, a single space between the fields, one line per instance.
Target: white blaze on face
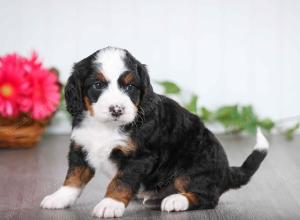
pixel 111 65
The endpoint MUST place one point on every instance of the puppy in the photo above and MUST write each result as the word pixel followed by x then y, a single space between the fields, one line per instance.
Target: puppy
pixel 141 139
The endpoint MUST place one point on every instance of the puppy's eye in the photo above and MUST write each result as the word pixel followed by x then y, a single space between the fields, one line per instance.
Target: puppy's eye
pixel 98 85
pixel 130 88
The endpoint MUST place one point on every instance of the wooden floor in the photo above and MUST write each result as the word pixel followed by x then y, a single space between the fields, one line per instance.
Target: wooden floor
pixel 26 176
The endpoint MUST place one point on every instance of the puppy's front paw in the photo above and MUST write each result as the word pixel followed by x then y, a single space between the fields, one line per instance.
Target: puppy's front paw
pixel 109 208
pixel 62 198
pixel 175 202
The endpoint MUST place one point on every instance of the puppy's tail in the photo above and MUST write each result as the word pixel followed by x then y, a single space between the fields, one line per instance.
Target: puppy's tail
pixel 239 176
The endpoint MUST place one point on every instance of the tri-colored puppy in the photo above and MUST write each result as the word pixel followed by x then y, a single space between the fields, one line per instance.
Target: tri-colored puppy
pixel 142 140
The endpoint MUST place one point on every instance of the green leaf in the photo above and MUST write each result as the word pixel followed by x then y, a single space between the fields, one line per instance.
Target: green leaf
pixel 266 124
pixel 225 112
pixel 233 118
pixel 248 115
pixel 289 133
pixel 236 119
pixel 249 119
pixel 205 114
pixel 192 105
pixel 247 112
pixel 228 116
pixel 250 127
pixel 169 87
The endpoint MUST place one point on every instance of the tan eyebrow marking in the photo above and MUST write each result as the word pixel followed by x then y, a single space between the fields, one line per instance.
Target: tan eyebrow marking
pixel 101 77
pixel 128 78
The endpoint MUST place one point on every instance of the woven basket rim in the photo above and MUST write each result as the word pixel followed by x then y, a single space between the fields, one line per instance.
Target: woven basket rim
pixel 21 132
pixel 23 119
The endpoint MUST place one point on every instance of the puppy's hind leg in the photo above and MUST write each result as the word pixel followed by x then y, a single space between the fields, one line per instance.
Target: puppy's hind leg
pixel 190 197
pixel 78 175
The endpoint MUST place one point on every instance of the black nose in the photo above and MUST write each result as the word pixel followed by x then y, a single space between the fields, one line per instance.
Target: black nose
pixel 116 110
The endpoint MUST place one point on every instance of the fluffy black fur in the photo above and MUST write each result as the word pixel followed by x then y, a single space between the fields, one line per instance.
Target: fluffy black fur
pixel 171 142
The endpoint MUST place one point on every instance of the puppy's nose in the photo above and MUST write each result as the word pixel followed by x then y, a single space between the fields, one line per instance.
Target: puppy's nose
pixel 116 110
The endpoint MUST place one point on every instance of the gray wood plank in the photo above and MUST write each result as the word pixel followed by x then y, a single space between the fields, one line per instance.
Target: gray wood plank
pixel 26 176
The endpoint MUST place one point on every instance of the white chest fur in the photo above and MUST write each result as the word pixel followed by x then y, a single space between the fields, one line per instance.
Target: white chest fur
pixel 98 140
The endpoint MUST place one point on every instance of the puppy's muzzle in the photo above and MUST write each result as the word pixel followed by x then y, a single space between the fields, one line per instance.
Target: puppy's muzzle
pixel 116 110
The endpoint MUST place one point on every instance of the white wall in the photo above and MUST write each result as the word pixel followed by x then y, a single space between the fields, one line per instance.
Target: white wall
pixel 228 51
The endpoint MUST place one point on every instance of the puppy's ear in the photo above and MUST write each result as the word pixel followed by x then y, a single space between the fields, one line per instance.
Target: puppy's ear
pixel 143 73
pixel 74 87
pixel 147 94
pixel 73 94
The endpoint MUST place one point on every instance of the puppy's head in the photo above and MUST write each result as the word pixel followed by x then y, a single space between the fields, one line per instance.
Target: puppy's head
pixel 110 85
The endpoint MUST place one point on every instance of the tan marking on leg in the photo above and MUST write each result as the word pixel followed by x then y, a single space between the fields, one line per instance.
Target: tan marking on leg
pixel 79 177
pixel 89 106
pixel 191 197
pixel 181 183
pixel 118 191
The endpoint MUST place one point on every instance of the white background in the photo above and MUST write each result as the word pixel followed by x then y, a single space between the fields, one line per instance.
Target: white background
pixel 227 51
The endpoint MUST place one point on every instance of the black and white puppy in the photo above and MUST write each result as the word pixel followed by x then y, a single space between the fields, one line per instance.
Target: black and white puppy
pixel 141 140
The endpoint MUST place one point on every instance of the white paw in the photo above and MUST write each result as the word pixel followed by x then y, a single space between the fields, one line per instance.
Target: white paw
pixel 174 202
pixel 62 198
pixel 109 208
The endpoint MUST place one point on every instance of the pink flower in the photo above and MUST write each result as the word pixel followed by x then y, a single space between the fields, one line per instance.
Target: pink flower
pixel 27 87
pixel 13 86
pixel 44 89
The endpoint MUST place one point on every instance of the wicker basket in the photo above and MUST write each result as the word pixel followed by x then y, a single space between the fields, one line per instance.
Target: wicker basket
pixel 23 132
